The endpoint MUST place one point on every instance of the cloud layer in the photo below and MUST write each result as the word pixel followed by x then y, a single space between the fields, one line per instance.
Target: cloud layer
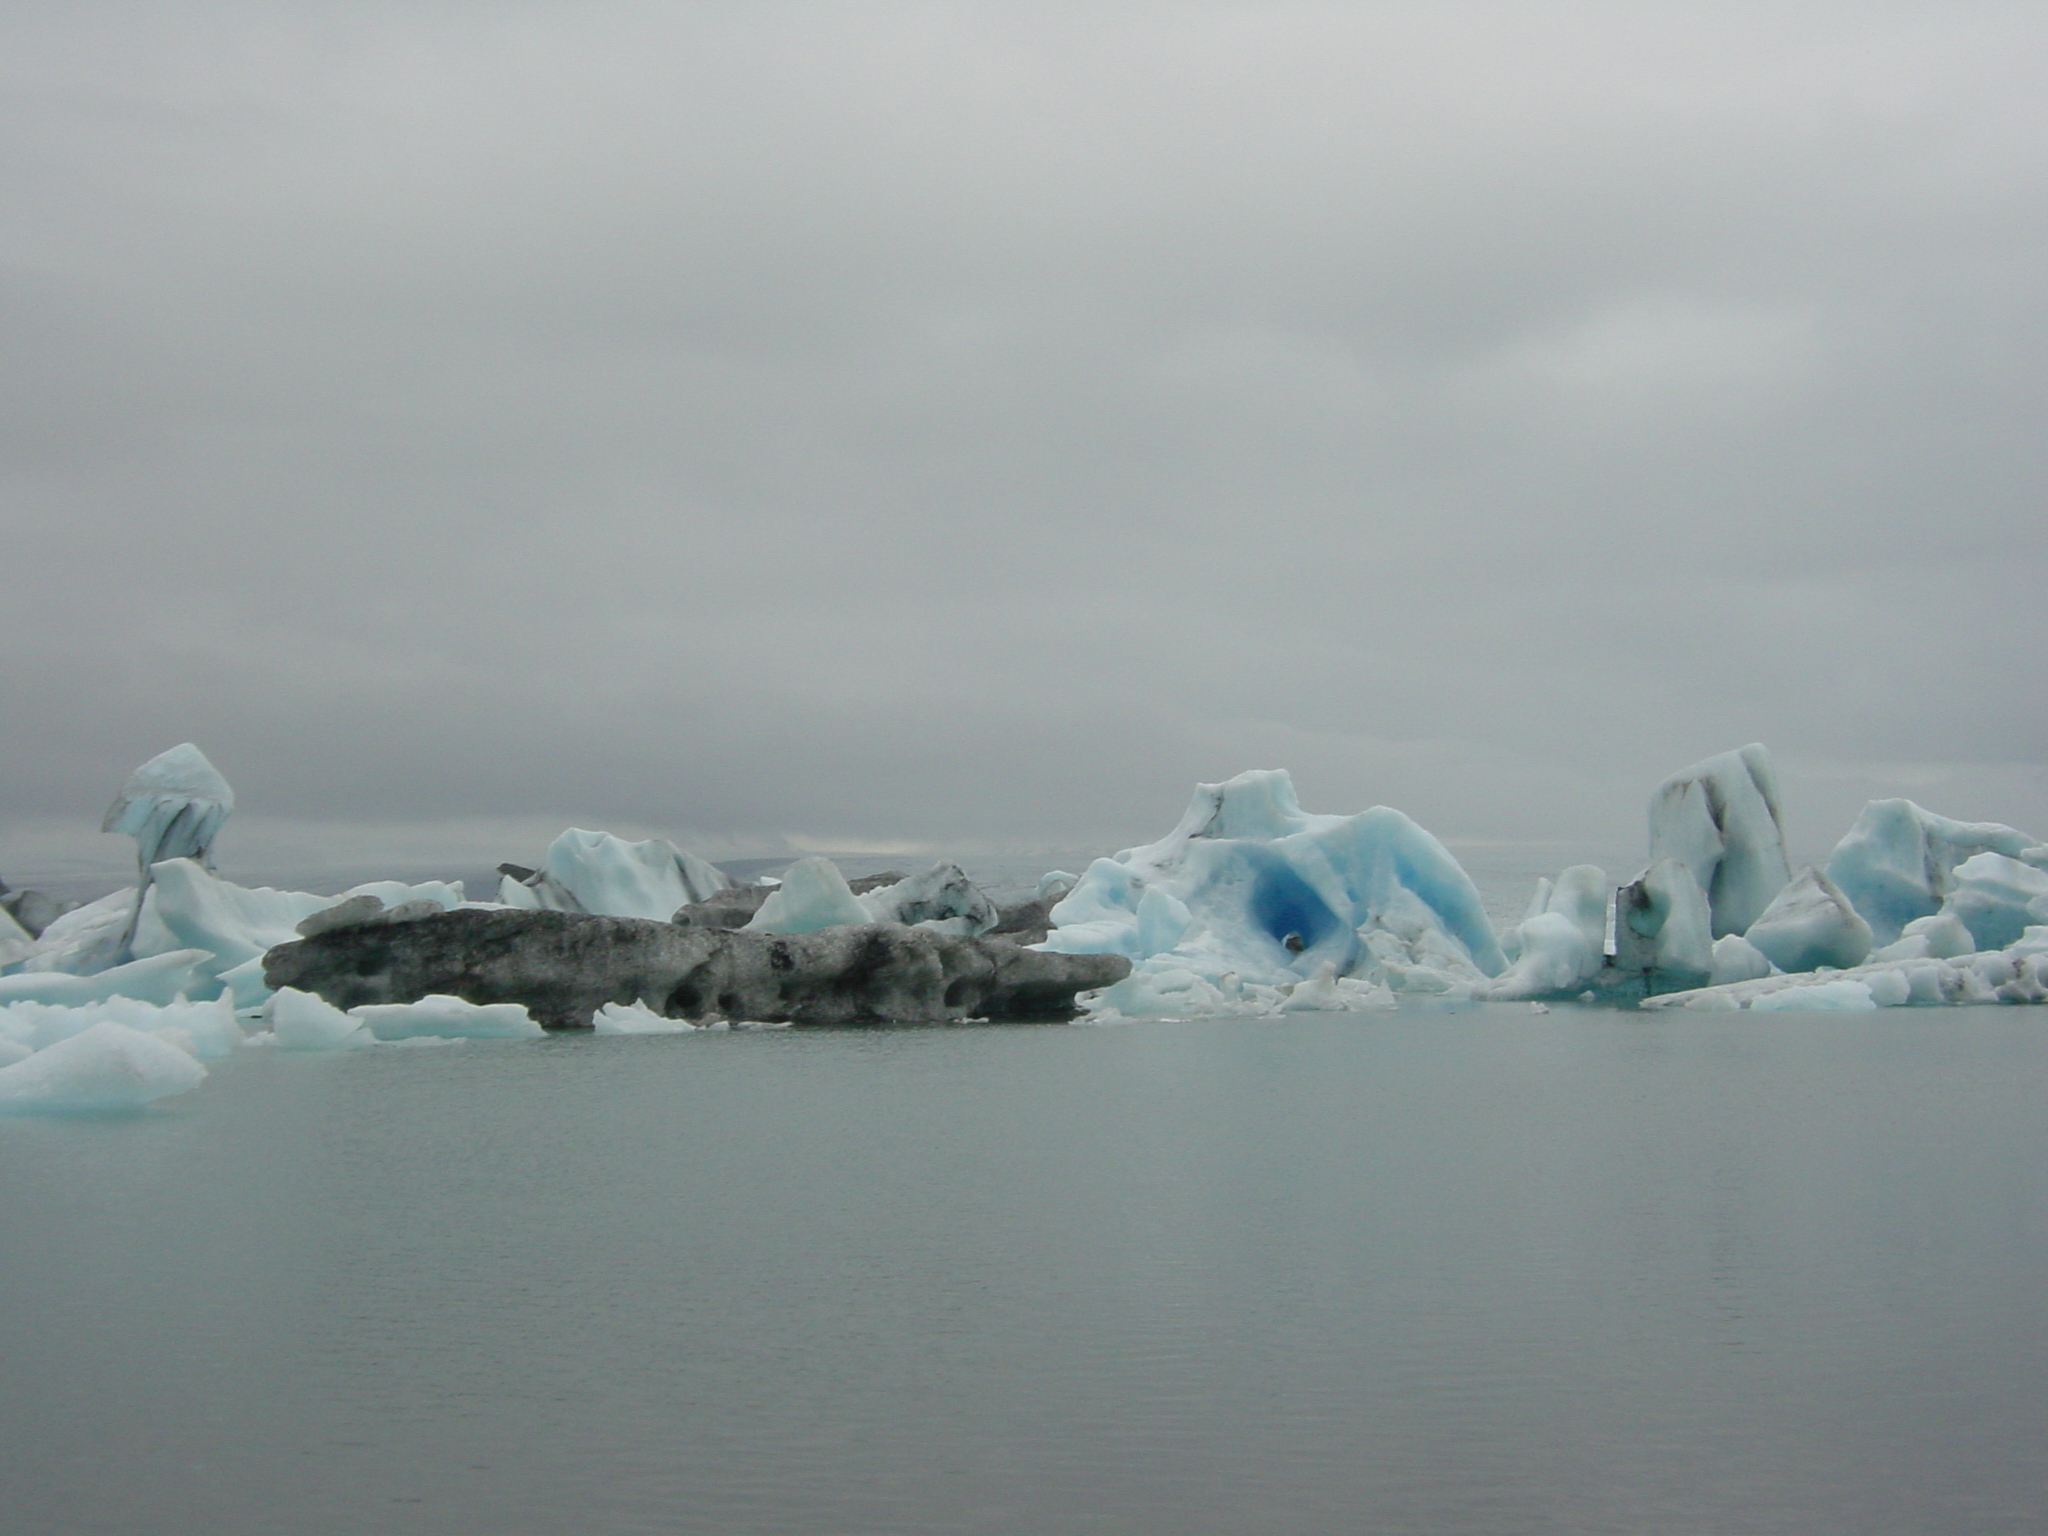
pixel 960 423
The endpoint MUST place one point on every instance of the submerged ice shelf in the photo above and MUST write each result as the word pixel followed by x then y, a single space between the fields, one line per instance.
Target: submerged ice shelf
pixel 1250 905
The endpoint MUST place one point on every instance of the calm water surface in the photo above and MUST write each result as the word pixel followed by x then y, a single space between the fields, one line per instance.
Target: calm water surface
pixel 1477 1272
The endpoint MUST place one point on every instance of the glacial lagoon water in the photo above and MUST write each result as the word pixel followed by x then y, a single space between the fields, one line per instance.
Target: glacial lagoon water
pixel 1477 1271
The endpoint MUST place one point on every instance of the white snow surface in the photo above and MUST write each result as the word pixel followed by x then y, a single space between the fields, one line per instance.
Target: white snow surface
pixel 1720 819
pixel 106 1065
pixel 1249 896
pixel 1810 924
pixel 1898 862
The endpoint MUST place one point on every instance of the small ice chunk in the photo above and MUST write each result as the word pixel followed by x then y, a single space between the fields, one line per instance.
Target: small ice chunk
pixel 105 1066
pixel 303 1021
pixel 1736 959
pixel 1055 883
pixel 813 895
pixel 448 1018
pixel 637 1019
pixel 1811 924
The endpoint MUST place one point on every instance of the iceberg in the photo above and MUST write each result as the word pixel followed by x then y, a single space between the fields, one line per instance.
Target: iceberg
pixel 1810 924
pixel 2017 974
pixel 1736 959
pixel 1940 937
pixel 813 896
pixel 942 899
pixel 173 806
pixel 1720 819
pixel 1663 928
pixel 1562 947
pixel 237 924
pixel 637 1019
pixel 204 1029
pixel 600 873
pixel 564 966
pixel 1898 862
pixel 448 1018
pixel 104 1066
pixel 301 1021
pixel 164 978
pixel 1997 898
pixel 1249 895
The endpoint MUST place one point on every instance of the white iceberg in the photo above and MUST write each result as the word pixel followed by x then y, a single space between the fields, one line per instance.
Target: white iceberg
pixel 105 1066
pixel 813 895
pixel 1562 947
pixel 1898 862
pixel 448 1018
pixel 1940 937
pixel 1998 898
pixel 600 873
pixel 204 1029
pixel 1249 895
pixel 1810 924
pixel 173 806
pixel 1663 927
pixel 2017 974
pixel 1720 819
pixel 637 1019
pixel 942 899
pixel 1736 959
pixel 301 1021
pixel 162 978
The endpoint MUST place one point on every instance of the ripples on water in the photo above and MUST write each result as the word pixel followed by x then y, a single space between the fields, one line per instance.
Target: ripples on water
pixel 1464 1272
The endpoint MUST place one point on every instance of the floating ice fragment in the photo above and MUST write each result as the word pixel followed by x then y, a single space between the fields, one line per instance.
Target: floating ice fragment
pixel 448 1018
pixel 105 1066
pixel 637 1019
pixel 301 1021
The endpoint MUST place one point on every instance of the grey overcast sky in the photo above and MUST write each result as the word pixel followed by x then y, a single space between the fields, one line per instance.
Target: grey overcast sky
pixel 962 424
